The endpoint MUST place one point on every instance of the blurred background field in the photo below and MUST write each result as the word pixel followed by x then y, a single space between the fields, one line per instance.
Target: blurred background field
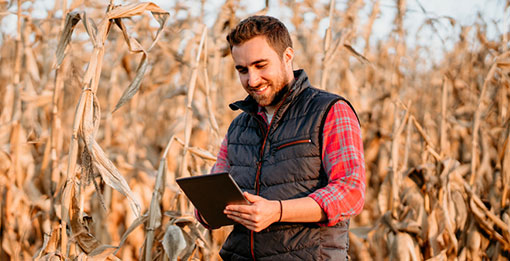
pixel 103 104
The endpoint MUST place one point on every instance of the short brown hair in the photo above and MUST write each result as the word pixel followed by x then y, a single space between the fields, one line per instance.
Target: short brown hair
pixel 275 32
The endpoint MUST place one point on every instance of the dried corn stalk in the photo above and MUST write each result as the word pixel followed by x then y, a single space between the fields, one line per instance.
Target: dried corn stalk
pixel 86 121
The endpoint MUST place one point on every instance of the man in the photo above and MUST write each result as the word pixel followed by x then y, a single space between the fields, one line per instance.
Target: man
pixel 295 150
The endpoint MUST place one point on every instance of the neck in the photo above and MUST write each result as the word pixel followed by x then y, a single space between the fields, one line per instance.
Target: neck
pixel 270 109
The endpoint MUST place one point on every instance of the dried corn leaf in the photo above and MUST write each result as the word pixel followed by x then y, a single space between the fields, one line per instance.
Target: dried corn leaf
pixel 435 230
pixel 503 64
pixel 440 257
pixel 190 222
pixel 174 242
pixel 54 256
pixel 90 28
pixel 461 209
pixel 205 154
pixel 383 197
pixel 355 53
pixel 31 64
pixel 137 222
pixel 404 248
pixel 113 178
pixel 190 246
pixel 135 9
pixel 474 240
pixel 37 100
pixel 39 252
pixel 90 120
pixel 49 244
pixel 449 218
pixel 5 162
pixel 102 253
pixel 155 211
pixel 154 208
pixel 85 239
pixel 134 86
pixel 505 171
pixel 128 11
pixel 72 19
pixel 484 213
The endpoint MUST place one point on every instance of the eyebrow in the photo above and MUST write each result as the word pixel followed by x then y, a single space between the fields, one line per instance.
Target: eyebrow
pixel 253 63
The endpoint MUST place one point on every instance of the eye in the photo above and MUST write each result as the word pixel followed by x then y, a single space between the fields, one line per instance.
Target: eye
pixel 260 66
pixel 242 70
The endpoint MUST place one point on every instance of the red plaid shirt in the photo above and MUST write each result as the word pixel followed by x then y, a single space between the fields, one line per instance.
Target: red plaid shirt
pixel 343 160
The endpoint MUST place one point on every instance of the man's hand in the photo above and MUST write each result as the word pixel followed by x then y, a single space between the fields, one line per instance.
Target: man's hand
pixel 257 216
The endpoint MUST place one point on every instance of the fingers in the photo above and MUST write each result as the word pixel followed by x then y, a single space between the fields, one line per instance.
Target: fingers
pixel 256 216
pixel 247 208
pixel 252 198
pixel 239 208
pixel 245 220
pixel 237 215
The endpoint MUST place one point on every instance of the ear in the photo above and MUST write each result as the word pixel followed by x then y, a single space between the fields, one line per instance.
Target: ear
pixel 288 55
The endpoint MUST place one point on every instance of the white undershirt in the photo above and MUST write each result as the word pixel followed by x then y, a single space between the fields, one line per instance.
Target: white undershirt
pixel 269 117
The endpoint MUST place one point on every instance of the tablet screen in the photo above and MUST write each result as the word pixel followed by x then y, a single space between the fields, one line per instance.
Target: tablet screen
pixel 210 194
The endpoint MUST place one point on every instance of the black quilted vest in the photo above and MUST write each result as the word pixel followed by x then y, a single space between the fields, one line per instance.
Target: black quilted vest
pixel 283 162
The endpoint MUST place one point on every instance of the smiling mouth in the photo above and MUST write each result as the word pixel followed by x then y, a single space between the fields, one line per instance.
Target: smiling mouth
pixel 260 90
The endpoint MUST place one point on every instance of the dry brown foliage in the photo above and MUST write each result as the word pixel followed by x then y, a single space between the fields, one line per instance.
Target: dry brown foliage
pixel 83 185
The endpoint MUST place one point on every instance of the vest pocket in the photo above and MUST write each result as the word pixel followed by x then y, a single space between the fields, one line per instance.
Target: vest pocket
pixel 292 143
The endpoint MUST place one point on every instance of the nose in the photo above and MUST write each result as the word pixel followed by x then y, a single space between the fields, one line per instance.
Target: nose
pixel 253 78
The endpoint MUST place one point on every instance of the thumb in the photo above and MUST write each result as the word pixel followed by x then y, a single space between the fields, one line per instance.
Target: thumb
pixel 252 198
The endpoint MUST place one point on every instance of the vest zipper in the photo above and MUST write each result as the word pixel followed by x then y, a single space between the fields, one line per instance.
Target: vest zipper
pixel 252 247
pixel 293 143
pixel 257 191
pixel 259 164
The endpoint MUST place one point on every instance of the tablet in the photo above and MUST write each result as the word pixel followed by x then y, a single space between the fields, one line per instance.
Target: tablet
pixel 210 194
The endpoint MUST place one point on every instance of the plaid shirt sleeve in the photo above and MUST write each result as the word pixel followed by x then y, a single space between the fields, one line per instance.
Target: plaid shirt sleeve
pixel 344 163
pixel 221 164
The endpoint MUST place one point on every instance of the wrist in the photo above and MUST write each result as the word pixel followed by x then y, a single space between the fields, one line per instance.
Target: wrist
pixel 279 211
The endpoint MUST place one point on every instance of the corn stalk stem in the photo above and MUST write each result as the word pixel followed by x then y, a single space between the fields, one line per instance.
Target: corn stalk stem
pixel 210 107
pixel 94 68
pixel 368 31
pixel 405 161
pixel 395 178
pixel 55 133
pixel 479 203
pixel 443 129
pixel 506 172
pixel 157 195
pixel 71 169
pixel 17 61
pixel 476 126
pixel 423 134
pixel 189 100
pixel 327 46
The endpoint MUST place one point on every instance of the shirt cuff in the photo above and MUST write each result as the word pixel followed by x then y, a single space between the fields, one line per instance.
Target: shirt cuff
pixel 327 222
pixel 198 217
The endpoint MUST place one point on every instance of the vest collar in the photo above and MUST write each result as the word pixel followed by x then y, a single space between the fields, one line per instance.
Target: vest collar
pixel 249 105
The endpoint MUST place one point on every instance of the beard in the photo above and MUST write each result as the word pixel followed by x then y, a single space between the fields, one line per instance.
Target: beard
pixel 280 94
pixel 275 95
pixel 276 92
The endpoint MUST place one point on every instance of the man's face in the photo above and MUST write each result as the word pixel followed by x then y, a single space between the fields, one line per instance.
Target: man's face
pixel 261 71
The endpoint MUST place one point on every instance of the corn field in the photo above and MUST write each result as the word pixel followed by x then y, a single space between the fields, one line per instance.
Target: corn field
pixel 104 104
